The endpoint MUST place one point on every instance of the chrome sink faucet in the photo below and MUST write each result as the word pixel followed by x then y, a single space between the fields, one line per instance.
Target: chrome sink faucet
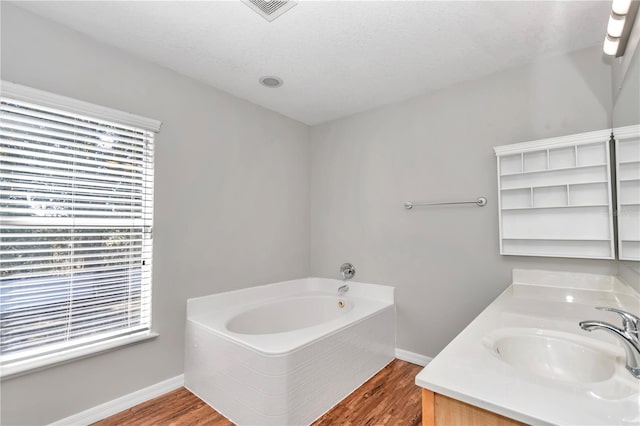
pixel 628 335
pixel 347 271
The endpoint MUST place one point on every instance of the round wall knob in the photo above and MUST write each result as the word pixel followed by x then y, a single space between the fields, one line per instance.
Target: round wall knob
pixel 347 271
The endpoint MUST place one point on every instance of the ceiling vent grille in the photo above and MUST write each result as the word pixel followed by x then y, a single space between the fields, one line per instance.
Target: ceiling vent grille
pixel 270 9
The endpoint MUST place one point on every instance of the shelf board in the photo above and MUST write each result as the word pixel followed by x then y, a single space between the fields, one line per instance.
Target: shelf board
pixel 554 207
pixel 626 204
pixel 630 241
pixel 554 239
pixel 629 180
pixel 555 185
pixel 564 255
pixel 554 170
pixel 588 183
pixel 629 162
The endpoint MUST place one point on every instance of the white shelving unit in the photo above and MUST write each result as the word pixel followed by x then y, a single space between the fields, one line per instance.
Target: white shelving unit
pixel 555 197
pixel 628 191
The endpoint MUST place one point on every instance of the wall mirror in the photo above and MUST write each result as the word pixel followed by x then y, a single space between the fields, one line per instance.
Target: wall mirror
pixel 626 112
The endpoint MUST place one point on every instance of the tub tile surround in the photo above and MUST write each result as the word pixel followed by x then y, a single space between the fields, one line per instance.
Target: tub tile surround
pixel 551 303
pixel 294 376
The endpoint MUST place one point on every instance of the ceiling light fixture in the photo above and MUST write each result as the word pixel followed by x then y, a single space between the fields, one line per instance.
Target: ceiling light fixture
pixel 271 81
pixel 611 45
pixel 623 13
pixel 620 7
pixel 616 25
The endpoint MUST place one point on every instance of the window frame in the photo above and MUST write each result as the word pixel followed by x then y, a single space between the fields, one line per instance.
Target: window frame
pixel 75 350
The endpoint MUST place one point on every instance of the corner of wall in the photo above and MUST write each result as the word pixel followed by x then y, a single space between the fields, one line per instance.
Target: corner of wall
pixel 629 272
pixel 309 153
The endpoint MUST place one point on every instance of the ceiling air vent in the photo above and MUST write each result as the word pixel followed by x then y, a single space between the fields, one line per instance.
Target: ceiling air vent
pixel 270 9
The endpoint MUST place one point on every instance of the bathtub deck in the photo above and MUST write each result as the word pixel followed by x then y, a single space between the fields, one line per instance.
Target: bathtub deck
pixel 388 398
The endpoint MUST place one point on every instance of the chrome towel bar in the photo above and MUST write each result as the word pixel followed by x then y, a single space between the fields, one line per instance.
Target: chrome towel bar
pixel 480 202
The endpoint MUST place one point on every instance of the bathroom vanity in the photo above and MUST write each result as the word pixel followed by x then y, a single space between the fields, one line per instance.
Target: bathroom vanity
pixel 438 409
pixel 525 359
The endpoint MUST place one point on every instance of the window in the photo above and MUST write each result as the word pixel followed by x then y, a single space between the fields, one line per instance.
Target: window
pixel 76 215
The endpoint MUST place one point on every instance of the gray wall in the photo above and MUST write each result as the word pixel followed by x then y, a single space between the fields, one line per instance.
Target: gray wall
pixel 443 260
pixel 231 205
pixel 626 104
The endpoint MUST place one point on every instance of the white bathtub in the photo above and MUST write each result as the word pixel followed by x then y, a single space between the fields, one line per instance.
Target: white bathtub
pixel 285 353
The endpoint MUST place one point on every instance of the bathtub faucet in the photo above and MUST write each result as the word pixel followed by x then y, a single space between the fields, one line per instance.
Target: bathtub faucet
pixel 347 271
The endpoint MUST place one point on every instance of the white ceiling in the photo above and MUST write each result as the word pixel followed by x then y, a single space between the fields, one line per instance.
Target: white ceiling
pixel 336 57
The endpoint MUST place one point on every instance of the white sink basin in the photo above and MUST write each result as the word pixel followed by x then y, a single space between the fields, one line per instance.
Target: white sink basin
pixel 554 355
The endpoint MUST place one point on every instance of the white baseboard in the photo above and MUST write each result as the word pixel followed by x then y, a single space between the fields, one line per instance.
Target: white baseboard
pixel 117 405
pixel 412 357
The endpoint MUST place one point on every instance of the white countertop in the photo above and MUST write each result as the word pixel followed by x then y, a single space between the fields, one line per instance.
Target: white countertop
pixel 469 371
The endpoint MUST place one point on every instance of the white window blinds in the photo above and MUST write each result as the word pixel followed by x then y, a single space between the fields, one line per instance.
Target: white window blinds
pixel 76 212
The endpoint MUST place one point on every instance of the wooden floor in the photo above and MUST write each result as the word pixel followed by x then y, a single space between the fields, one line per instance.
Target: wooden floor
pixel 388 398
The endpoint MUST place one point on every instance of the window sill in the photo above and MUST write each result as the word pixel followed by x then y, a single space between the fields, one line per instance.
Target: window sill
pixel 62 357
